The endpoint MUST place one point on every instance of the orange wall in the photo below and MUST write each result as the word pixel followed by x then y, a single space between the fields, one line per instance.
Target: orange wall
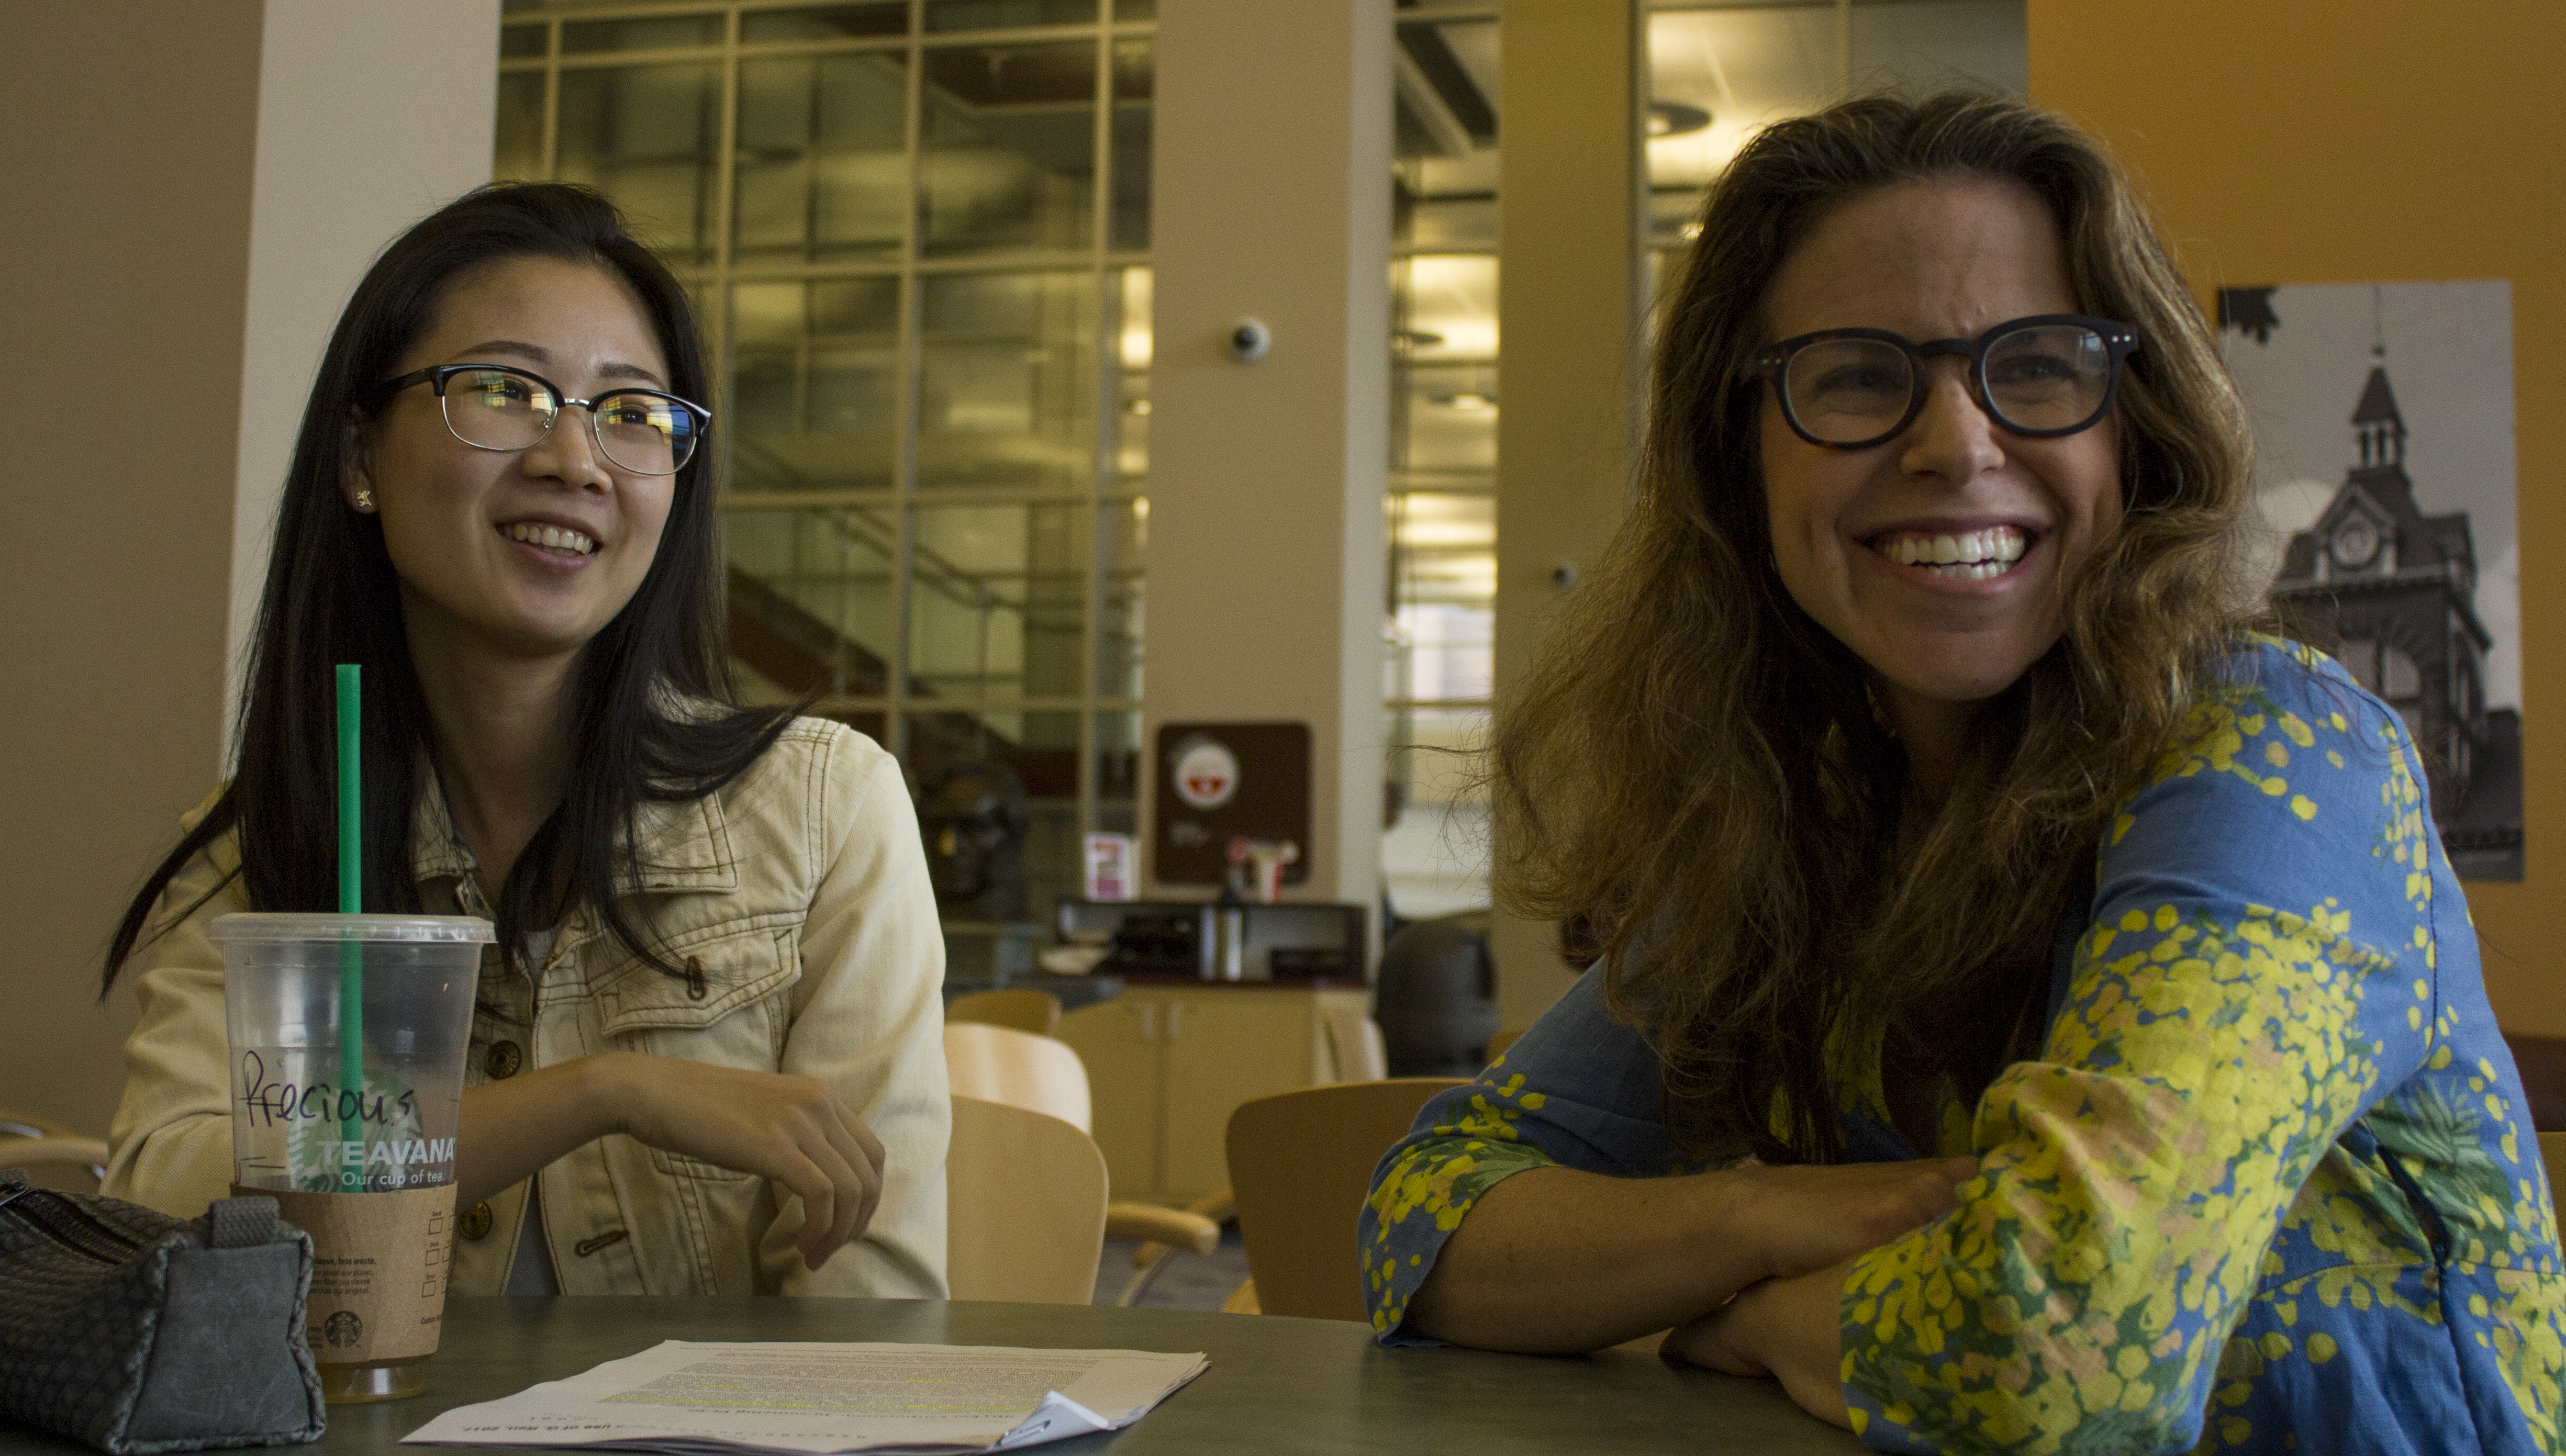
pixel 2372 141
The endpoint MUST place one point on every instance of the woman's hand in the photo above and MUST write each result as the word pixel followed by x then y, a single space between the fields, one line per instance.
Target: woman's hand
pixel 1555 1260
pixel 1807 1216
pixel 1814 1221
pixel 792 1129
pixel 1787 1328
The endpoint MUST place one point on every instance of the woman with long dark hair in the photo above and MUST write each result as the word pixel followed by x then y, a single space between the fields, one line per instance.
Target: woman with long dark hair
pixel 2034 1011
pixel 708 1054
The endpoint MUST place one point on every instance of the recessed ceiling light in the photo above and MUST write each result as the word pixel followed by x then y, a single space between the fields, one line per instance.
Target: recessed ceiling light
pixel 1675 119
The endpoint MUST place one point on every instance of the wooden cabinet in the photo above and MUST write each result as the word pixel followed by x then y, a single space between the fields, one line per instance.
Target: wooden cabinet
pixel 1168 1065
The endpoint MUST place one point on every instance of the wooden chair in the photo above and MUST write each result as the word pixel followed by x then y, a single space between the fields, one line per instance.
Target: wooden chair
pixel 1355 1044
pixel 2552 1151
pixel 53 1156
pixel 1301 1166
pixel 1021 1069
pixel 1024 1206
pixel 1023 1008
pixel 1355 1047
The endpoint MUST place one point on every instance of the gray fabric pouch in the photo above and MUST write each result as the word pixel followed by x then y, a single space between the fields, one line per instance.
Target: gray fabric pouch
pixel 135 1332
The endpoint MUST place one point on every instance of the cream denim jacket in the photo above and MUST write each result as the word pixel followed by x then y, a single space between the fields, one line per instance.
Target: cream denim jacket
pixel 799 893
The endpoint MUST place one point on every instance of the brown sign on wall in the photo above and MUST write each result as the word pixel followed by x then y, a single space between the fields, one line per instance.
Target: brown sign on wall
pixel 1223 781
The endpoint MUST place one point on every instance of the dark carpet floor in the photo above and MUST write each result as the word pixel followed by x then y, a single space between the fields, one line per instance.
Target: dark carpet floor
pixel 1189 1282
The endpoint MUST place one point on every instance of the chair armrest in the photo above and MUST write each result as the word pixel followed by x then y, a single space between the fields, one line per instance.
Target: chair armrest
pixel 1175 1225
pixel 28 1153
pixel 1219 1207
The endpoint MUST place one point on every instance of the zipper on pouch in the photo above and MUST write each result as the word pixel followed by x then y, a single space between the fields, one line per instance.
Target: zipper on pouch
pixel 64 1222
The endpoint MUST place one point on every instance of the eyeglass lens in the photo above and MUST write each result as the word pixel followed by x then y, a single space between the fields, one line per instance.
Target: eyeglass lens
pixel 645 433
pixel 2050 376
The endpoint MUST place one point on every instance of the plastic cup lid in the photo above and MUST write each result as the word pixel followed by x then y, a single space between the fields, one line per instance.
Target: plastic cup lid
pixel 413 929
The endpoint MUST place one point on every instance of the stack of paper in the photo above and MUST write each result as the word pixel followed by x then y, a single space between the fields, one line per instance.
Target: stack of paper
pixel 807 1399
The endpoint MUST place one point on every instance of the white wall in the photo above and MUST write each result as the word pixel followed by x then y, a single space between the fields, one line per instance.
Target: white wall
pixel 1271 198
pixel 1569 203
pixel 370 115
pixel 191 189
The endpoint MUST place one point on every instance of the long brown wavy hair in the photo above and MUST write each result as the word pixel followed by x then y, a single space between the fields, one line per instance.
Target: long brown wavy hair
pixel 1691 773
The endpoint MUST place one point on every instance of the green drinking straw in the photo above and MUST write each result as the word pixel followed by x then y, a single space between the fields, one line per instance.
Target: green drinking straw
pixel 352 897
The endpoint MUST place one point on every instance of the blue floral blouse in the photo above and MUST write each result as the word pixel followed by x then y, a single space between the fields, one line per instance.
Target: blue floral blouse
pixel 2271 1186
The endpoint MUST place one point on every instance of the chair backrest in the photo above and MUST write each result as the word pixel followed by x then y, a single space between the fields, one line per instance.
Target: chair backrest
pixel 1498 1042
pixel 1435 997
pixel 72 1164
pixel 1003 1065
pixel 1300 1165
pixel 1021 1006
pixel 14 1124
pixel 51 1153
pixel 2552 1154
pixel 1024 1207
pixel 1354 1038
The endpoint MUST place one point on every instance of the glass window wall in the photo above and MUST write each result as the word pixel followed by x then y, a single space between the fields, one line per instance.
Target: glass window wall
pixel 916 233
pixel 1442 522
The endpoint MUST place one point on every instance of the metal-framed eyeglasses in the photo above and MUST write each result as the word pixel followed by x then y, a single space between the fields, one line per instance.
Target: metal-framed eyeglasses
pixel 506 408
pixel 2041 376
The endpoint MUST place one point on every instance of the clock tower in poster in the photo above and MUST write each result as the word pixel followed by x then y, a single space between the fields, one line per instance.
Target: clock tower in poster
pixel 2391 593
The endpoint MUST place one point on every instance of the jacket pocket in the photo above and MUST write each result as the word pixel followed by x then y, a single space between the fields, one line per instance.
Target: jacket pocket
pixel 726 968
pixel 679 1166
pixel 731 1007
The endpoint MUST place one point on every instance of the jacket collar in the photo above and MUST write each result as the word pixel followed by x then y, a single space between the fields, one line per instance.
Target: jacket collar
pixel 683 848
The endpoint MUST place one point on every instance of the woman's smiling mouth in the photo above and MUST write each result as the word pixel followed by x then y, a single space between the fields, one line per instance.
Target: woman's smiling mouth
pixel 557 540
pixel 1968 556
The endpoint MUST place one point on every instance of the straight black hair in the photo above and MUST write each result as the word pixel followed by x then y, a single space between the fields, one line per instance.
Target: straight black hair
pixel 657 719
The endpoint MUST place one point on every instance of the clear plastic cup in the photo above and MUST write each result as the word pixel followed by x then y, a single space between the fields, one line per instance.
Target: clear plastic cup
pixel 367 1170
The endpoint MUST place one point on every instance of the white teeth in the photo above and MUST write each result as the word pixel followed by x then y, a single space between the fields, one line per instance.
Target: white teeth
pixel 553 538
pixel 1973 555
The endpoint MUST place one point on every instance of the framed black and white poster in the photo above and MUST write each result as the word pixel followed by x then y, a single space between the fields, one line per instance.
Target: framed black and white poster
pixel 2384 501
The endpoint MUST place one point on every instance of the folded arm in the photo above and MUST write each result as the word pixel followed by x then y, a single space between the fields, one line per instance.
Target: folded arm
pixel 1544 1207
pixel 2262 944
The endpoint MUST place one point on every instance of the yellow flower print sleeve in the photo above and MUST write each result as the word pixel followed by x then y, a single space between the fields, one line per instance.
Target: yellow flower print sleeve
pixel 2271 1186
pixel 1578 1089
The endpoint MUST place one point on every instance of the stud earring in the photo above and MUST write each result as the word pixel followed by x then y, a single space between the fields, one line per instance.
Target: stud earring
pixel 365 502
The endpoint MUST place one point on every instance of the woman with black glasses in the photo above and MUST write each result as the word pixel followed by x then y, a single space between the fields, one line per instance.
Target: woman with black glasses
pixel 2034 1011
pixel 707 1057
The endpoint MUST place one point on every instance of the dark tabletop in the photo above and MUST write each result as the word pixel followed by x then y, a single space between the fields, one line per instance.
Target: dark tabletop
pixel 1275 1385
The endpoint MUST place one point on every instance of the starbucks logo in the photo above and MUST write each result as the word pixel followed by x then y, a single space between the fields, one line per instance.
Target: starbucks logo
pixel 343 1330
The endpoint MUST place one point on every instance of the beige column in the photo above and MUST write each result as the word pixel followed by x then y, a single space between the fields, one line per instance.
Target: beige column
pixel 1571 200
pixel 370 115
pixel 1271 200
pixel 192 188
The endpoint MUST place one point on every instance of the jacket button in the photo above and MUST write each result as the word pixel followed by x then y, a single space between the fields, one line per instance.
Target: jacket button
pixel 475 1223
pixel 503 1059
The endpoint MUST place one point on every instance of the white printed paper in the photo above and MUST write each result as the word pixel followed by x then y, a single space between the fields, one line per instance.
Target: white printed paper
pixel 809 1399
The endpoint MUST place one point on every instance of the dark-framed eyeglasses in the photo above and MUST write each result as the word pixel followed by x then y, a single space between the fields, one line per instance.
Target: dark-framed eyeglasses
pixel 2041 376
pixel 503 407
